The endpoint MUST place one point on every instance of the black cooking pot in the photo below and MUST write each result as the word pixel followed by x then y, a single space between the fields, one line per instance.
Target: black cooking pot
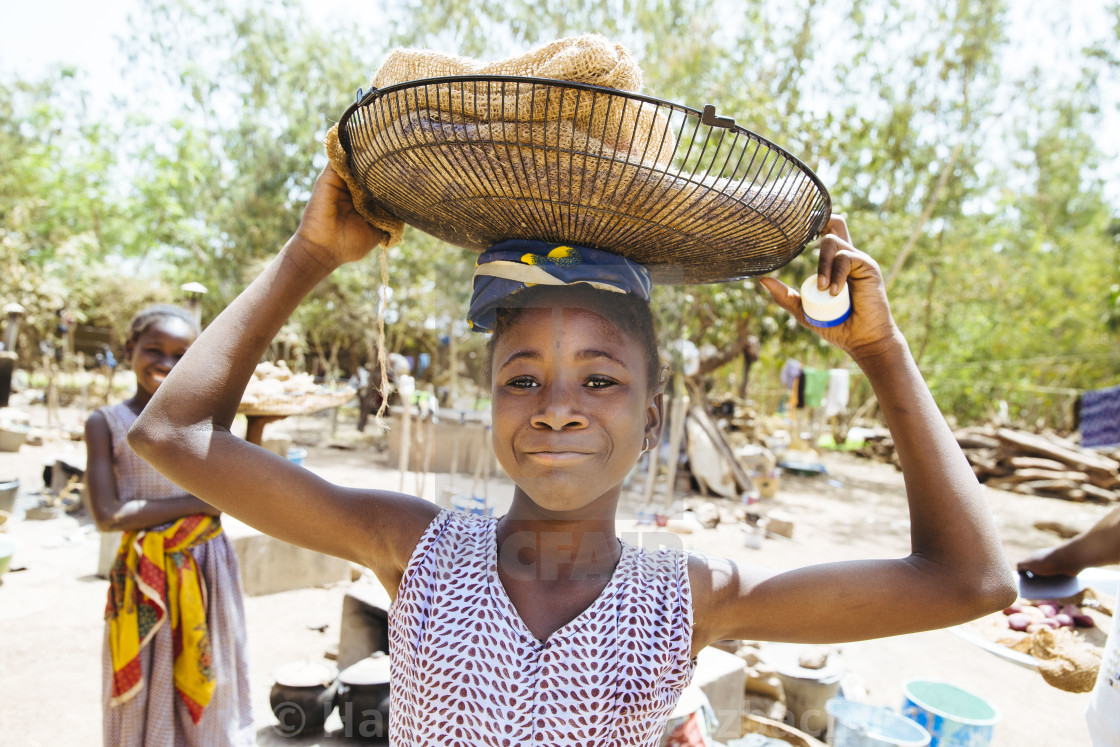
pixel 363 698
pixel 303 697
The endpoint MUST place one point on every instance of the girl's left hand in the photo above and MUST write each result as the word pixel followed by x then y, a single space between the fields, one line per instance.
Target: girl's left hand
pixel 870 327
pixel 331 228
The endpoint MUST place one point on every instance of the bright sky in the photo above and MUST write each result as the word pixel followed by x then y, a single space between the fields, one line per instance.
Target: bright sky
pixel 35 34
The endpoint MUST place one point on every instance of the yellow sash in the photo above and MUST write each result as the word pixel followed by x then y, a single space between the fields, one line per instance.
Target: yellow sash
pixel 154 576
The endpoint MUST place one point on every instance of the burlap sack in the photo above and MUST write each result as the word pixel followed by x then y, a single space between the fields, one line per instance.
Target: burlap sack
pixel 590 58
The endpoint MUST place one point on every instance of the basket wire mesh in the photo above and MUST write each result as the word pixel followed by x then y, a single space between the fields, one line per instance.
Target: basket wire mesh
pixel 475 160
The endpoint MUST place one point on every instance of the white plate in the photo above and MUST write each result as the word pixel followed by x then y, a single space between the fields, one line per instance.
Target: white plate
pixel 1105 582
pixel 1023 660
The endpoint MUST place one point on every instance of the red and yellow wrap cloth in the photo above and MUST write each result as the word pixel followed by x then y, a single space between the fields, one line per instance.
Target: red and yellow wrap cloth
pixel 154 577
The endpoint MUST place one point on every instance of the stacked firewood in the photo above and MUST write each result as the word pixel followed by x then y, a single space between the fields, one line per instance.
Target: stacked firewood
pixel 1030 463
pixel 1041 464
pixel 879 447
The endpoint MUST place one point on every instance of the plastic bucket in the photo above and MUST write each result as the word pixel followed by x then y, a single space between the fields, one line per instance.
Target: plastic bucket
pixel 296 456
pixel 852 724
pixel 954 717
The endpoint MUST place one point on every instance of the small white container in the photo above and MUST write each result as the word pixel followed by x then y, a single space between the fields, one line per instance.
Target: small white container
pixel 822 309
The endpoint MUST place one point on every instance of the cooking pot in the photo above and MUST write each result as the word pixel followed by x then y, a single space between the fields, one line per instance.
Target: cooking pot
pixel 363 698
pixel 302 697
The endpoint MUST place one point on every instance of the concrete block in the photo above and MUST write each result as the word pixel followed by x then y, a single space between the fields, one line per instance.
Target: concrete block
pixel 722 676
pixel 269 565
pixel 780 523
pixel 365 623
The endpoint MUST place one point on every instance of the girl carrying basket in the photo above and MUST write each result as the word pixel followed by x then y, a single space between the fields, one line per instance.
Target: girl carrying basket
pixel 541 626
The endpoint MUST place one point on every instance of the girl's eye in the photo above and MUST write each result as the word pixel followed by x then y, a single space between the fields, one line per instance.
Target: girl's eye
pixel 522 382
pixel 600 382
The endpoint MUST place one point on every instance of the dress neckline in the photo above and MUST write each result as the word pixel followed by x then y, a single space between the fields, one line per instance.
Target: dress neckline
pixel 502 599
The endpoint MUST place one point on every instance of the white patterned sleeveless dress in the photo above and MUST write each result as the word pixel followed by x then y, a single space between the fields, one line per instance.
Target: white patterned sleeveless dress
pixel 467 672
pixel 156 717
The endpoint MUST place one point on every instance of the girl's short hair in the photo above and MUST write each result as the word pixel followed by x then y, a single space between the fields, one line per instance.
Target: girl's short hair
pixel 626 311
pixel 148 316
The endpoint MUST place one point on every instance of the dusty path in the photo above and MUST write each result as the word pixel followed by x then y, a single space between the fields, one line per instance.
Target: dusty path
pixel 50 613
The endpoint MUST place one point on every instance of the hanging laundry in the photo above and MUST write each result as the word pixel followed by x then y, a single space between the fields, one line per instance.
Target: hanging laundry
pixel 1100 418
pixel 836 398
pixel 816 383
pixel 790 371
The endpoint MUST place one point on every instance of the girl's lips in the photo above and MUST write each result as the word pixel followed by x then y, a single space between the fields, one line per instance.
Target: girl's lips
pixel 558 456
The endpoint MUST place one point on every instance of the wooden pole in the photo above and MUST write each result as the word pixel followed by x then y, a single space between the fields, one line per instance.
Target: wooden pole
pixel 651 472
pixel 429 445
pixel 406 385
pixel 478 465
pixel 453 356
pixel 676 434
pixel 406 441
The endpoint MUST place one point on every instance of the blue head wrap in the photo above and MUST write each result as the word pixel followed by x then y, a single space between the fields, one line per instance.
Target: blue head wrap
pixel 511 266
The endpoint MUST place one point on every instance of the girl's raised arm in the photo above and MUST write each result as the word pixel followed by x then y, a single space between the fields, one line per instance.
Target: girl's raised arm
pixel 956 570
pixel 185 430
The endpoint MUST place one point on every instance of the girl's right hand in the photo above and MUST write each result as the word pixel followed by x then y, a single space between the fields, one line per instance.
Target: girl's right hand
pixel 331 230
pixel 870 329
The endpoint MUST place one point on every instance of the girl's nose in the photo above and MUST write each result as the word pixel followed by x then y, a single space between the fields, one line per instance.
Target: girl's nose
pixel 558 413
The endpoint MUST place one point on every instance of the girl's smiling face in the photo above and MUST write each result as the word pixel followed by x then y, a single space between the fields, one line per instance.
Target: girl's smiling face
pixel 156 351
pixel 571 406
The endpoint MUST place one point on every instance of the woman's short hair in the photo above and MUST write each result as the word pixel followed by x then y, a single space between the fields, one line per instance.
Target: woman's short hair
pixel 149 315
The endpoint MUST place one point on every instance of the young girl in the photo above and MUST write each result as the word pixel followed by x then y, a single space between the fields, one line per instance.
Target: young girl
pixel 174 662
pixel 541 627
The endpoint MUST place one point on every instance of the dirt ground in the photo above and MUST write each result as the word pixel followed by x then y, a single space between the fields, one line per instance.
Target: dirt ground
pixel 51 604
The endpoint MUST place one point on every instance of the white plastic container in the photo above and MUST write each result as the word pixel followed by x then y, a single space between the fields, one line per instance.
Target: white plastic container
pixel 822 309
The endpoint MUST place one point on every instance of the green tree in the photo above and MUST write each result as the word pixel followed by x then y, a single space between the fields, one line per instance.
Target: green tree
pixel 980 188
pixel 60 212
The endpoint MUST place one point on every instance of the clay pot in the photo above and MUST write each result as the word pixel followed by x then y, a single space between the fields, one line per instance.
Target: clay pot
pixel 303 697
pixel 363 698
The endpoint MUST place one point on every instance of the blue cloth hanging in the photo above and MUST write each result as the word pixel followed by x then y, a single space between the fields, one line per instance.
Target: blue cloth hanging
pixel 1100 418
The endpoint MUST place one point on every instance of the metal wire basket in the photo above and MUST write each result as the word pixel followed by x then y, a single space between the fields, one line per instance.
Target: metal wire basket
pixel 475 160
